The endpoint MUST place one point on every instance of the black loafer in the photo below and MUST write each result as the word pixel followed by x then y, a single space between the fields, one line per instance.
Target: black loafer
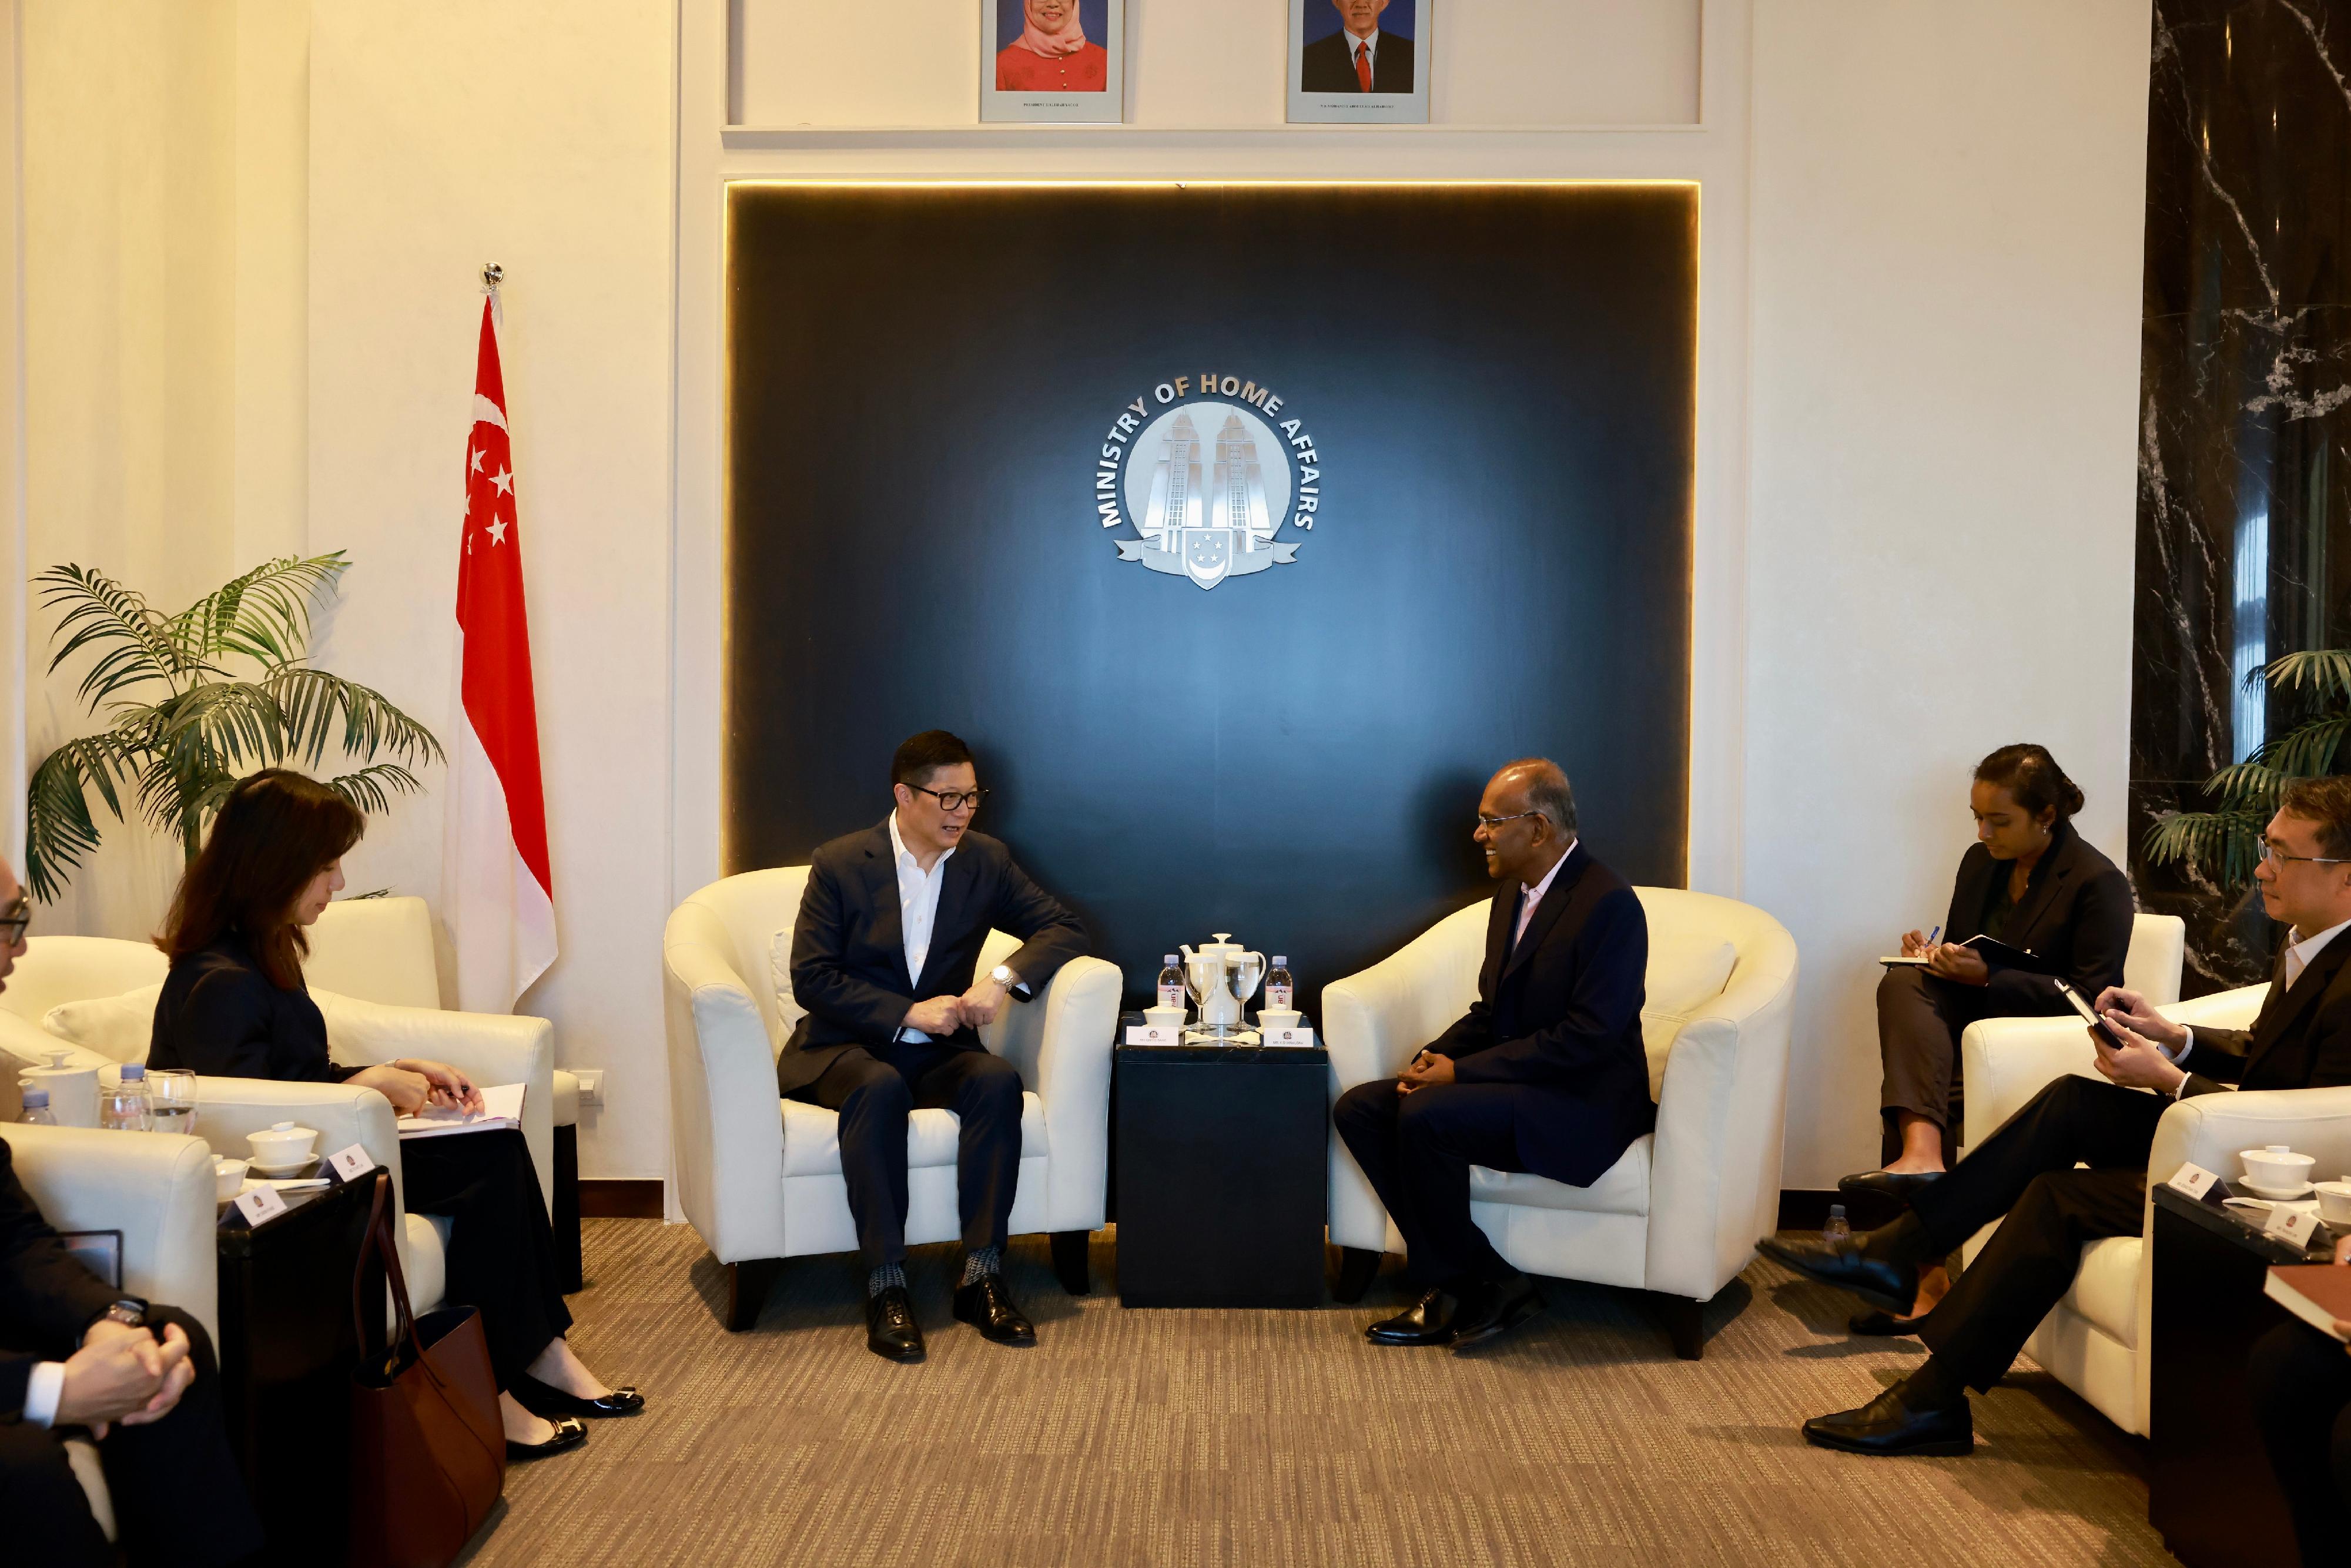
pixel 1494 1309
pixel 545 1399
pixel 1883 1325
pixel 569 1433
pixel 1889 1287
pixel 1887 1426
pixel 890 1331
pixel 1900 1186
pixel 987 1306
pixel 1428 1321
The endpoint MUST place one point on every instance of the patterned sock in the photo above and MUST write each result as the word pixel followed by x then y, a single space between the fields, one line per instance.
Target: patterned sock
pixel 888 1277
pixel 978 1265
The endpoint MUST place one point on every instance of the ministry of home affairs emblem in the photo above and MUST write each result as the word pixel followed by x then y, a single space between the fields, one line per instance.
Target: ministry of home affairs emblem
pixel 1208 482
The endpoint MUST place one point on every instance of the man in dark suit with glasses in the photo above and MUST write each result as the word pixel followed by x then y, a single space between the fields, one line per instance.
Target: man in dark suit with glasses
pixel 884 959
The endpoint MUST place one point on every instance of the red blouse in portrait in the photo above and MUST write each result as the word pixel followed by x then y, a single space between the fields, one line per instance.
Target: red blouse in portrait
pixel 1023 70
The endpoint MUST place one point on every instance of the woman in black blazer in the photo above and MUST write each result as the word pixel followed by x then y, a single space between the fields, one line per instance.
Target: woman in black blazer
pixel 2030 883
pixel 234 1006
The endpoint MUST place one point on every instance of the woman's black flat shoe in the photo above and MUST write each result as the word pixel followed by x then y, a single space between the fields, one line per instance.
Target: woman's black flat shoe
pixel 1901 1186
pixel 541 1399
pixel 1883 1325
pixel 569 1433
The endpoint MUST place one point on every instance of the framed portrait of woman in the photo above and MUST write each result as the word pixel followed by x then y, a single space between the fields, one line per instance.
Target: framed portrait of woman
pixel 1359 62
pixel 1054 61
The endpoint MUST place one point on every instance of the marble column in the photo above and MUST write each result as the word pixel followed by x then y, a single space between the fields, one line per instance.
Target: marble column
pixel 2245 413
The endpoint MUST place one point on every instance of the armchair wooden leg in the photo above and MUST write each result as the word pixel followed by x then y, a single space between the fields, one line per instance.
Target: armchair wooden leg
pixel 1357 1265
pixel 747 1284
pixel 1070 1261
pixel 566 1209
pixel 1683 1324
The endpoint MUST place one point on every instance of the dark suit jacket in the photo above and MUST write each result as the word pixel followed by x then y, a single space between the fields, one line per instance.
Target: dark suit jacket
pixel 2300 1039
pixel 849 948
pixel 46 1298
pixel 1328 65
pixel 1558 1017
pixel 221 1016
pixel 2076 914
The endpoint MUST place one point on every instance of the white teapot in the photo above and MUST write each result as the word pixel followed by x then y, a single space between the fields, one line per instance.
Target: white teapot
pixel 1222 975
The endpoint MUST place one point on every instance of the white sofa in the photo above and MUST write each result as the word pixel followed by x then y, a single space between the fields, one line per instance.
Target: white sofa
pixel 2096 1340
pixel 157 1189
pixel 1677 1215
pixel 97 995
pixel 759 1176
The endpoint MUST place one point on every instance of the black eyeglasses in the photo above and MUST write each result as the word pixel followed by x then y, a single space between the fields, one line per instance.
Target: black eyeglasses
pixel 16 918
pixel 954 800
pixel 2270 852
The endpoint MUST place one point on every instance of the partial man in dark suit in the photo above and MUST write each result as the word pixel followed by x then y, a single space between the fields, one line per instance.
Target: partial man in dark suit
pixel 1359 57
pixel 884 959
pixel 2025 1171
pixel 1545 1073
pixel 76 1355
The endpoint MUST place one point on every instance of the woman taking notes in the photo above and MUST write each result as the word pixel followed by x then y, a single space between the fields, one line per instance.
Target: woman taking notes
pixel 234 1006
pixel 2029 883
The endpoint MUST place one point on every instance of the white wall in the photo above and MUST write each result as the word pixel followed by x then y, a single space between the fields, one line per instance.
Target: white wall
pixel 1947 211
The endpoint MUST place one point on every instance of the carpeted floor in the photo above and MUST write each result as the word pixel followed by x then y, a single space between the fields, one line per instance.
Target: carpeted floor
pixel 1273 1439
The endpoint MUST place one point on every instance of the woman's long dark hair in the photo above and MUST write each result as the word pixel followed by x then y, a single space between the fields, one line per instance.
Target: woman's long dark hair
pixel 276 830
pixel 2033 780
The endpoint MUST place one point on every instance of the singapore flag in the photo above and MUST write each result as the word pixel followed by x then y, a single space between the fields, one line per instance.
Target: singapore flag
pixel 497 895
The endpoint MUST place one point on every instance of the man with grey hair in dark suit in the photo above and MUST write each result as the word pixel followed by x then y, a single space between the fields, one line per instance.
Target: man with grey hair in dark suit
pixel 1545 1073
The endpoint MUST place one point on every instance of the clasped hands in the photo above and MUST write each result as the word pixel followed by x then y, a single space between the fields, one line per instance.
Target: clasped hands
pixel 976 1009
pixel 411 1085
pixel 1424 1069
pixel 123 1373
pixel 1951 960
pixel 2140 1062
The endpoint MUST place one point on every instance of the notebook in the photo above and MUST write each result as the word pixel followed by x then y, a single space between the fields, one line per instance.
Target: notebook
pixel 501 1107
pixel 1995 952
pixel 2317 1293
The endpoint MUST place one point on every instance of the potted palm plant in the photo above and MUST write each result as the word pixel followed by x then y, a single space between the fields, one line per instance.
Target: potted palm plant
pixel 193 701
pixel 2224 843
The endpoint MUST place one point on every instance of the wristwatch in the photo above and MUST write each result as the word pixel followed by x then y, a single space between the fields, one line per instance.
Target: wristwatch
pixel 128 1310
pixel 1004 976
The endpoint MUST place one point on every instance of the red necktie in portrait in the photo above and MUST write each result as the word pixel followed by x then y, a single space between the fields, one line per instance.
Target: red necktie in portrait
pixel 1364 65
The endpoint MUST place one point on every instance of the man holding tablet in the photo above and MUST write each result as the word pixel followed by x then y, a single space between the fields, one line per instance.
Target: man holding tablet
pixel 2025 1171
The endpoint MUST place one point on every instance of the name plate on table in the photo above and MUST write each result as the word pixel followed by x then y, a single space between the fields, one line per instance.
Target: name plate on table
pixel 1296 1035
pixel 2291 1226
pixel 350 1164
pixel 260 1205
pixel 1154 1034
pixel 2191 1179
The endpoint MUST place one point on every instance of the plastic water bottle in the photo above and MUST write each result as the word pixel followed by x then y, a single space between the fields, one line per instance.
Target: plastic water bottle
pixel 1837 1229
pixel 36 1109
pixel 1171 983
pixel 1279 986
pixel 124 1108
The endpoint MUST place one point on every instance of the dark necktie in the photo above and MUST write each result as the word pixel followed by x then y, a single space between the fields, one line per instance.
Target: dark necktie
pixel 1364 66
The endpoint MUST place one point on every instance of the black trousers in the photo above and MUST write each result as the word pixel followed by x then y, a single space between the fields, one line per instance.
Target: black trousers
pixel 501 1243
pixel 178 1498
pixel 1920 1018
pixel 2300 1381
pixel 2025 1172
pixel 1416 1149
pixel 876 1088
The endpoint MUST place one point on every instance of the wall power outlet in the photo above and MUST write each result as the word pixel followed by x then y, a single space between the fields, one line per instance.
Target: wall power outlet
pixel 591 1085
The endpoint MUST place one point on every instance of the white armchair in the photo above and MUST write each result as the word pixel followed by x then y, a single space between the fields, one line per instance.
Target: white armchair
pixel 157 1189
pixel 2095 1340
pixel 759 1176
pixel 1677 1215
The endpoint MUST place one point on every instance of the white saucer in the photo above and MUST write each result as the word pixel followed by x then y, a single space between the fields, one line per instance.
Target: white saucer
pixel 2276 1194
pixel 301 1163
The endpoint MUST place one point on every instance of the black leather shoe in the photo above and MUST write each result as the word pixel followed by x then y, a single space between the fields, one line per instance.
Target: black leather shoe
pixel 569 1433
pixel 1899 1185
pixel 1428 1321
pixel 545 1399
pixel 1492 1309
pixel 1890 1287
pixel 987 1306
pixel 890 1331
pixel 1882 1323
pixel 1886 1426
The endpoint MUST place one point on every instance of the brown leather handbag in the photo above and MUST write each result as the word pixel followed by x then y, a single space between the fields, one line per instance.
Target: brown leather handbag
pixel 428 1449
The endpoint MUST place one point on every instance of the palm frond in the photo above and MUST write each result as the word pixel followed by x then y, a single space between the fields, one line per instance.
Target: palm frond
pixel 2327 671
pixel 372 789
pixel 2230 839
pixel 264 614
pixel 2252 785
pixel 60 828
pixel 131 640
pixel 315 704
pixel 2308 750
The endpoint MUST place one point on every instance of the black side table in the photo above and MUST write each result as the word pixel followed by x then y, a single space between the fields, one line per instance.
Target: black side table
pixel 288 1349
pixel 2211 1494
pixel 1222 1154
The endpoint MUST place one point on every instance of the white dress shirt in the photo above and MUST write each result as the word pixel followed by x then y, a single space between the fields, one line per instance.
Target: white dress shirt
pixel 2298 955
pixel 1534 895
pixel 918 909
pixel 44 1386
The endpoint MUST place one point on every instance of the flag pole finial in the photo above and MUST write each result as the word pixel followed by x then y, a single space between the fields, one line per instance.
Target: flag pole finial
pixel 492 275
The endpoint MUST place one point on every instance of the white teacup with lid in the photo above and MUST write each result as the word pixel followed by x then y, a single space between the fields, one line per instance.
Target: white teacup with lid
pixel 2335 1201
pixel 282 1146
pixel 2277 1168
pixel 73 1091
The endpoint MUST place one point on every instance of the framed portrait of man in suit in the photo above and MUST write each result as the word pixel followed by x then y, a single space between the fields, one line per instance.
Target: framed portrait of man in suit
pixel 1359 61
pixel 1054 61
